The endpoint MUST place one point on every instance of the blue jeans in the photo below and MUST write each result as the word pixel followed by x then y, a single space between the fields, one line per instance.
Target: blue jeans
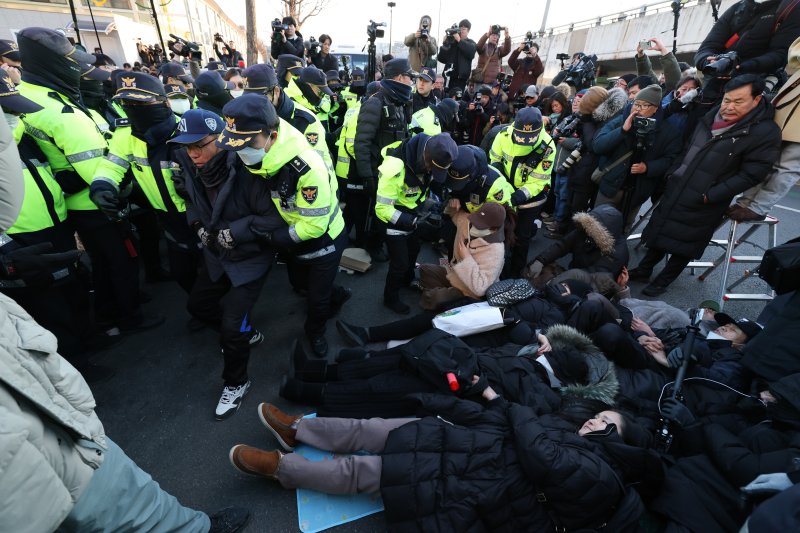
pixel 561 212
pixel 122 497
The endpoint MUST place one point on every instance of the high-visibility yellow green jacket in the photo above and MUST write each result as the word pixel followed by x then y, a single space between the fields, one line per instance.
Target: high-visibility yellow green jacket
pixel 526 167
pixel 346 153
pixel 70 139
pixel 401 193
pixel 321 111
pixel 426 120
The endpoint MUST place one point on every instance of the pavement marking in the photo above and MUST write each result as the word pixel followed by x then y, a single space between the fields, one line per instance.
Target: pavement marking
pixel 788 208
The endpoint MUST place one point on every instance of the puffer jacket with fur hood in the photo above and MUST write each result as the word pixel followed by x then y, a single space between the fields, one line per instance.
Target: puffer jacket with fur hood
pixel 596 244
pixel 51 440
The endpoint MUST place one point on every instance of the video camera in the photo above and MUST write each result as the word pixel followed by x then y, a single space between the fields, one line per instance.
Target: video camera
pixel 218 38
pixel 373 30
pixel 581 74
pixel 496 28
pixel 528 42
pixel 278 26
pixel 723 67
pixel 313 46
pixel 181 46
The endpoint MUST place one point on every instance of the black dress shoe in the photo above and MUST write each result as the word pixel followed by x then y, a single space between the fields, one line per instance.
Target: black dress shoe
pixel 654 290
pixel 319 346
pixel 639 274
pixel 229 520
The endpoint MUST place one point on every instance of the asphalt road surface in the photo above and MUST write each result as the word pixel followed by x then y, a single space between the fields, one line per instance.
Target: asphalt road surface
pixel 159 405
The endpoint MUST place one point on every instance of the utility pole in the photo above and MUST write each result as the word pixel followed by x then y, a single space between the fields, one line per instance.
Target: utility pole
pixel 250 32
pixel 544 18
pixel 391 25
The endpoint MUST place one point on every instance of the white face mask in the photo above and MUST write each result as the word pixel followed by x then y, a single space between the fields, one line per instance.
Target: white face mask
pixel 714 336
pixel 236 93
pixel 12 120
pixel 251 156
pixel 476 233
pixel 180 105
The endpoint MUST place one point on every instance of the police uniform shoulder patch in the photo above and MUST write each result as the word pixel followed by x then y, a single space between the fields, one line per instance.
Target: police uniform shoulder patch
pixel 312 138
pixel 498 195
pixel 548 151
pixel 298 165
pixel 309 194
pixel 546 165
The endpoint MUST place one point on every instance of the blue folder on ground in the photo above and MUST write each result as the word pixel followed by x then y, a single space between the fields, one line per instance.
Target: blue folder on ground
pixel 317 511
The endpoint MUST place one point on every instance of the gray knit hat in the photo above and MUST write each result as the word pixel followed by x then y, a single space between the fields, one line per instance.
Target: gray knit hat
pixel 650 94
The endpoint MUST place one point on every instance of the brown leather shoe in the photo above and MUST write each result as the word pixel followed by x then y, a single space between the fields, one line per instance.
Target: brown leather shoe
pixel 255 462
pixel 744 214
pixel 279 424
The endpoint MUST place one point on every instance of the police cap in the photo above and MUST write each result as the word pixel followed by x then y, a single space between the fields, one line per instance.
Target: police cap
pixel 9 49
pixel 210 83
pixel 397 67
pixel 314 76
pixel 259 78
pixel 428 74
pixel 215 65
pixel 10 98
pixel 174 70
pixel 175 89
pixel 54 41
pixel 460 172
pixel 333 75
pixel 91 72
pixel 527 125
pixel 440 150
pixel 289 62
pixel 246 117
pixel 197 124
pixel 358 78
pixel 138 87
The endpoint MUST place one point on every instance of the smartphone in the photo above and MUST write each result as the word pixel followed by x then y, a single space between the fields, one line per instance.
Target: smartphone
pixel 645 45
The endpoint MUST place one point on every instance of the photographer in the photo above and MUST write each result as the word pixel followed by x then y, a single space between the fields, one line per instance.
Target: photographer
pixel 527 69
pixel 458 50
pixel 230 56
pixel 286 39
pixel 421 46
pixel 652 145
pixel 759 35
pixel 579 73
pixel 321 56
pixel 672 72
pixel 478 114
pixel 490 54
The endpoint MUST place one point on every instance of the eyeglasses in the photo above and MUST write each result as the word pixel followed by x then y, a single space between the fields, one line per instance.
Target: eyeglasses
pixel 642 105
pixel 198 147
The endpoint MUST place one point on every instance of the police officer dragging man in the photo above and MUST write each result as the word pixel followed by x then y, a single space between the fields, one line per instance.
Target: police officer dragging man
pixel 405 177
pixel 304 192
pixel 523 152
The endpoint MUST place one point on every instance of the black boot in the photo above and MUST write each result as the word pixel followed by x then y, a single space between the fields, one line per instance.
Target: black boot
pixel 301 392
pixel 307 368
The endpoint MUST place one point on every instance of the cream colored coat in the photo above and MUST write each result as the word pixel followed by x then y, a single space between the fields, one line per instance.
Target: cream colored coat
pixel 473 274
pixel 787 101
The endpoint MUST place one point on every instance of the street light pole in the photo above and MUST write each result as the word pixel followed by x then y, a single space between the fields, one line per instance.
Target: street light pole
pixel 544 18
pixel 391 25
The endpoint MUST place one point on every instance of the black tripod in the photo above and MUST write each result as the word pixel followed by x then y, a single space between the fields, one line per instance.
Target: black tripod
pixel 676 12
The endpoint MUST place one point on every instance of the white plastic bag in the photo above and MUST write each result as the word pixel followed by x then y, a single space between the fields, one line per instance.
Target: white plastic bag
pixel 469 319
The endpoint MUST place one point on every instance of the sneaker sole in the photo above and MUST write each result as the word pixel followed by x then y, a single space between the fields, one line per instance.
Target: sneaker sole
pixel 230 412
pixel 272 430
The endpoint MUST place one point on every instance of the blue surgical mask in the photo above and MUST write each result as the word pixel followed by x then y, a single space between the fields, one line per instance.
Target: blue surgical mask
pixel 251 156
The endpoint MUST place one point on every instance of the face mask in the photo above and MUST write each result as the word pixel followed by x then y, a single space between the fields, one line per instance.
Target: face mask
pixel 714 336
pixel 251 156
pixel 12 120
pixel 236 93
pixel 180 105
pixel 476 233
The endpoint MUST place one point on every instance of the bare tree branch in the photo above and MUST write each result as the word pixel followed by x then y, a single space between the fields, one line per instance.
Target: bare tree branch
pixel 302 10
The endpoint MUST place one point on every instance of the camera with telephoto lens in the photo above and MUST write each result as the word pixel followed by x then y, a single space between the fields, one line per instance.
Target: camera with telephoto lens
pixel 643 125
pixel 374 31
pixel 581 74
pixel 504 80
pixel 566 128
pixel 181 46
pixel 723 67
pixel 313 46
pixel 574 156
pixel 218 37
pixel 449 34
pixel 496 28
pixel 528 42
pixel 424 32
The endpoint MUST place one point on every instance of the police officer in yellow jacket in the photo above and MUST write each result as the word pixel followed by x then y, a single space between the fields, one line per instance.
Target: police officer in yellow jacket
pixel 473 182
pixel 304 192
pixel 310 90
pixel 405 177
pixel 141 149
pixel 435 119
pixel 74 146
pixel 38 253
pixel 523 152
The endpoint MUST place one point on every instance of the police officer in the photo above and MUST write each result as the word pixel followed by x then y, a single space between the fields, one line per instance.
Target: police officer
pixel 406 175
pixel 305 195
pixel 142 150
pixel 213 92
pixel 174 74
pixel 473 182
pixel 310 90
pixel 223 198
pixel 436 119
pixel 423 96
pixel 179 101
pixel 338 107
pixel 93 96
pixel 261 79
pixel 382 120
pixel 287 68
pixel 44 284
pixel 9 58
pixel 352 93
pixel 523 152
pixel 74 145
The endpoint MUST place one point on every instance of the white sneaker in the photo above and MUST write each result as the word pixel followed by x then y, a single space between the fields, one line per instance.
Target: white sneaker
pixel 230 400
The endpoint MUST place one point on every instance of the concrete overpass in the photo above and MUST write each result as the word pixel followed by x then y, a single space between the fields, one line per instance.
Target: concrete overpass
pixel 613 38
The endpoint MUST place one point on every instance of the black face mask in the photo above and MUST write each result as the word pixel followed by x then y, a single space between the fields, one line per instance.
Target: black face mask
pixel 144 118
pixel 218 100
pixel 45 67
pixel 308 92
pixel 108 89
pixel 92 94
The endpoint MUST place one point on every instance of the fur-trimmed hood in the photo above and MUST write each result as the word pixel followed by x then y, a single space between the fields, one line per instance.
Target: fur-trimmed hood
pixel 603 225
pixel 617 98
pixel 602 378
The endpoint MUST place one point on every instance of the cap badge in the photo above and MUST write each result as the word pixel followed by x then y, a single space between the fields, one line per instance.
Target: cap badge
pixel 211 124
pixel 231 123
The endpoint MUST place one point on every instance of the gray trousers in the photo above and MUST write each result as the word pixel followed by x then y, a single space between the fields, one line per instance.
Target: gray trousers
pixel 353 474
pixel 763 197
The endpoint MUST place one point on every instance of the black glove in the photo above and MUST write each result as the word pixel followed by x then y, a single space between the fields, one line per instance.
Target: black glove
pixel 406 222
pixel 519 197
pixel 675 411
pixel 32 261
pixel 105 197
pixel 262 234
pixel 179 182
pixel 370 185
pixel 676 356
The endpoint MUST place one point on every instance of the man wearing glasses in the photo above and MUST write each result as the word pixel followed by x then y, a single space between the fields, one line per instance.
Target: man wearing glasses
pixel 636 149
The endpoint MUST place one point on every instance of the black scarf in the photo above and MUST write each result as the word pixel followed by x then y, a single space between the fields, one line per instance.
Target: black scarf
pixel 398 92
pixel 93 95
pixel 153 124
pixel 48 69
pixel 413 151
pixel 308 92
pixel 218 100
pixel 214 172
